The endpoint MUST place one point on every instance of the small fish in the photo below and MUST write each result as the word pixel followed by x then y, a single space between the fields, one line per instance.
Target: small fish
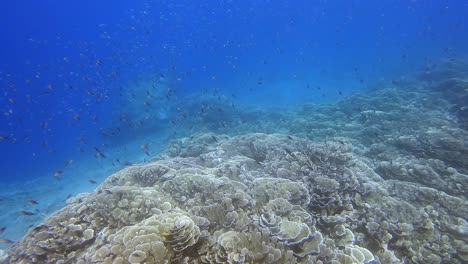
pixel 32 202
pixel 92 181
pixel 4 137
pixel 145 146
pixel 41 227
pixel 26 213
pixel 58 173
pixel 2 230
pixel 50 87
pixel 99 153
pixel 11 100
pixel 289 152
pixel 6 241
pixel 99 62
pixel 69 162
pixel 149 94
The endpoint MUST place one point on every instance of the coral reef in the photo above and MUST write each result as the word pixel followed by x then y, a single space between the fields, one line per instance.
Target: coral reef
pixel 288 201
pixel 380 178
pixel 233 203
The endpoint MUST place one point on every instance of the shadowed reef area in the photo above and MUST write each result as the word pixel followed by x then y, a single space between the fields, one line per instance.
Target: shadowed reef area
pixel 379 177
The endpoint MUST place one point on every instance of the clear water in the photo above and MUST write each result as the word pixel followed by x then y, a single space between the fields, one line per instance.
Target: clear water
pixel 80 80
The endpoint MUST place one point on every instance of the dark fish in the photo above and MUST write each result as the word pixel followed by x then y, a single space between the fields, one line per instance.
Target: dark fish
pixel 41 227
pixel 44 125
pixel 4 137
pixel 6 241
pixel 149 94
pixel 2 230
pixel 289 152
pixel 145 146
pixel 92 181
pixel 26 213
pixel 58 174
pixel 32 202
pixel 99 153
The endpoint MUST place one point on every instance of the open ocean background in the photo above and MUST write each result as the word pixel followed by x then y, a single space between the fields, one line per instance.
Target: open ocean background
pixel 89 87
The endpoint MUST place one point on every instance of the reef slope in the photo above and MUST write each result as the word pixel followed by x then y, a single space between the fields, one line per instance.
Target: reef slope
pixel 379 178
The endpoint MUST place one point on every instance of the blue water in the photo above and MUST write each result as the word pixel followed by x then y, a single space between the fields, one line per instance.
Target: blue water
pixel 76 76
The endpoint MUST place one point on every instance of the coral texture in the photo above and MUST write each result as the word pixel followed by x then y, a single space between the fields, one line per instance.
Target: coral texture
pixel 288 201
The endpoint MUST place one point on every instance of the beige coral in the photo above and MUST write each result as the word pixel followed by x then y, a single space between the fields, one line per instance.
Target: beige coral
pixel 255 198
